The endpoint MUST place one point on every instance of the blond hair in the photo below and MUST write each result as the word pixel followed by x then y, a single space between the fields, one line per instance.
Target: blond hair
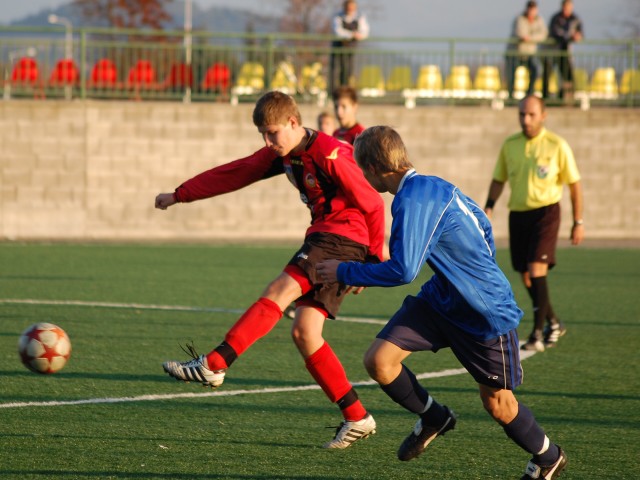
pixel 275 108
pixel 382 148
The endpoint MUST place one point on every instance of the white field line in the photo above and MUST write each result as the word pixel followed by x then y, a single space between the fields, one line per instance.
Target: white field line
pixel 140 306
pixel 223 393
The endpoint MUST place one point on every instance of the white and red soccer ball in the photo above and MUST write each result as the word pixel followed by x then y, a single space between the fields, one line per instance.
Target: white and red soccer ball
pixel 44 348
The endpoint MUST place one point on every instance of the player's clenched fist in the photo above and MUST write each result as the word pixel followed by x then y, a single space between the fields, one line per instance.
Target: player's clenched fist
pixel 165 200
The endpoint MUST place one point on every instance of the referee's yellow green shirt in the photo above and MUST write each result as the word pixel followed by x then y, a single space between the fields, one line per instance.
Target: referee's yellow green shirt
pixel 536 169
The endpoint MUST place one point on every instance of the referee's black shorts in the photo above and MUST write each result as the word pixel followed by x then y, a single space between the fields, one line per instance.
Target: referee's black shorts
pixel 533 236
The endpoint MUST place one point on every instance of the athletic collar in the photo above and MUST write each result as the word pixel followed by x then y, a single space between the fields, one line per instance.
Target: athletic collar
pixel 410 173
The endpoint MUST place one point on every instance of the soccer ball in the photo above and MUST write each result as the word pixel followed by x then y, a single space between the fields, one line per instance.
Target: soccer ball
pixel 44 348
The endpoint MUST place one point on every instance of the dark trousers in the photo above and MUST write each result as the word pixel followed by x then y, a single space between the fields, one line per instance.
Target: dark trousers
pixel 563 61
pixel 512 62
pixel 341 66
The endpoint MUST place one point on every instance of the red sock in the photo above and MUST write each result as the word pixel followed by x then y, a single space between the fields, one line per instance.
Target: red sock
pixel 328 372
pixel 254 324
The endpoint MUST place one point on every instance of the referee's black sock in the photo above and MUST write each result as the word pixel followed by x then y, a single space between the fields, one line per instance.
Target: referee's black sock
pixel 551 315
pixel 541 304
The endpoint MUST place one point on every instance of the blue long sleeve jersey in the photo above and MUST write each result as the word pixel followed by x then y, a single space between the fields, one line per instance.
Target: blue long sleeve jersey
pixel 434 222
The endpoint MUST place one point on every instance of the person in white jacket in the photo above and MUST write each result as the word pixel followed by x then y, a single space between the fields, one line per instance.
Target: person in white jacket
pixel 529 29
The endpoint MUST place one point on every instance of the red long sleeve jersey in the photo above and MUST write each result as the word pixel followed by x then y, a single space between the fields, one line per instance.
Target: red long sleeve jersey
pixel 349 134
pixel 330 183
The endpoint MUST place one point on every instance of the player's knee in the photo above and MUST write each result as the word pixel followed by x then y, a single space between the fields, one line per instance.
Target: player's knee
pixel 376 366
pixel 503 408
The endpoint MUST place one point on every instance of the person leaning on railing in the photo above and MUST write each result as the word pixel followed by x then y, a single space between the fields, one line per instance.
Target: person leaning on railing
pixel 565 29
pixel 529 29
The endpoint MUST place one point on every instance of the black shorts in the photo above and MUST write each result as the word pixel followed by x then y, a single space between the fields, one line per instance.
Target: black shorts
pixel 533 236
pixel 418 327
pixel 324 246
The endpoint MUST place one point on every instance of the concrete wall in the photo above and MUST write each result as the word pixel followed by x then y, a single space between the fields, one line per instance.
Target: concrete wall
pixel 86 170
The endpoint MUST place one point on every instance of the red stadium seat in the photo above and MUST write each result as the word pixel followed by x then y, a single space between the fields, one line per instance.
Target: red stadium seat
pixel 25 78
pixel 180 77
pixel 104 74
pixel 64 73
pixel 217 78
pixel 25 72
pixel 142 75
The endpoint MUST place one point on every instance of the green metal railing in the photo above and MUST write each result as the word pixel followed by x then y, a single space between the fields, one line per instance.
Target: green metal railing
pixel 158 65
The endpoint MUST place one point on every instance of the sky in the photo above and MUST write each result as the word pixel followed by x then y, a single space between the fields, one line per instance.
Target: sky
pixel 419 18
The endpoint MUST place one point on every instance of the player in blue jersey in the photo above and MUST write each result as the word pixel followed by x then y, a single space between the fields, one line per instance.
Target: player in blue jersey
pixel 467 305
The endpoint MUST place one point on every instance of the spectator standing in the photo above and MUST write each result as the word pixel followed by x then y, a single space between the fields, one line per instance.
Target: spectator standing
pixel 565 29
pixel 347 219
pixel 529 29
pixel 345 104
pixel 350 27
pixel 467 305
pixel 536 163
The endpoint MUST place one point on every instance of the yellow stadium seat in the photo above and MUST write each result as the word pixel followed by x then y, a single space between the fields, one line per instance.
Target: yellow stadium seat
pixel 603 83
pixel 521 82
pixel 487 78
pixel 429 78
pixel 284 79
pixel 371 81
pixel 630 82
pixel 458 82
pixel 250 81
pixel 311 79
pixel 400 78
pixel 580 80
pixel 553 83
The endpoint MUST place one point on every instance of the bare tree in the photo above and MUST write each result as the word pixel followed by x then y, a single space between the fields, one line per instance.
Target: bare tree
pixel 126 13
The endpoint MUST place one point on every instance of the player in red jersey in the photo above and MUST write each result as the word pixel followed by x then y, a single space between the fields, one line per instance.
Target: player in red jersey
pixel 345 104
pixel 347 219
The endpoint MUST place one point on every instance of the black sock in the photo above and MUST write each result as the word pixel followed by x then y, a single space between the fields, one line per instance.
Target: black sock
pixel 541 303
pixel 551 315
pixel 528 435
pixel 406 391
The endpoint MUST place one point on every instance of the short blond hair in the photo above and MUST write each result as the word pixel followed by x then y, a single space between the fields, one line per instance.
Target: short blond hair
pixel 275 108
pixel 382 148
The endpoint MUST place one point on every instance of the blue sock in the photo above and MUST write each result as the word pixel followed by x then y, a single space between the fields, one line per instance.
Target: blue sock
pixel 528 435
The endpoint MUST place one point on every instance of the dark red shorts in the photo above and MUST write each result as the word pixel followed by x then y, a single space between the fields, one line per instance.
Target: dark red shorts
pixel 533 236
pixel 323 246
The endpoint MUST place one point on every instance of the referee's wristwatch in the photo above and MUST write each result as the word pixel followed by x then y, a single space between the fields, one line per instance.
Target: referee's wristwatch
pixel 578 222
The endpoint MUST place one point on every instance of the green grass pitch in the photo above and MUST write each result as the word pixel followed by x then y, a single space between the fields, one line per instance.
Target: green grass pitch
pixel 137 423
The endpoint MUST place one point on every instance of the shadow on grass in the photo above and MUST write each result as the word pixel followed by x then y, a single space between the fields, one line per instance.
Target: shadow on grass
pixel 145 475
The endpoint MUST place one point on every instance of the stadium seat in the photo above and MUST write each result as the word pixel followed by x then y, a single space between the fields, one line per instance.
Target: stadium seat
pixel 179 78
pixel 400 78
pixel 580 80
pixel 284 78
pixel 604 84
pixel 458 82
pixel 104 75
pixel 311 79
pixel 25 72
pixel 25 78
pixel 429 78
pixel 487 79
pixel 630 82
pixel 217 78
pixel 142 75
pixel 250 81
pixel 370 81
pixel 520 82
pixel 64 73
pixel 553 83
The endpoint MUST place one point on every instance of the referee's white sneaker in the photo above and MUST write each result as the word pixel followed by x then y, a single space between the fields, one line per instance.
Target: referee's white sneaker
pixel 349 432
pixel 195 370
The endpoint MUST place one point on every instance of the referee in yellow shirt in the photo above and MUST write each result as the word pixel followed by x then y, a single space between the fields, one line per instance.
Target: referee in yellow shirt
pixel 537 163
